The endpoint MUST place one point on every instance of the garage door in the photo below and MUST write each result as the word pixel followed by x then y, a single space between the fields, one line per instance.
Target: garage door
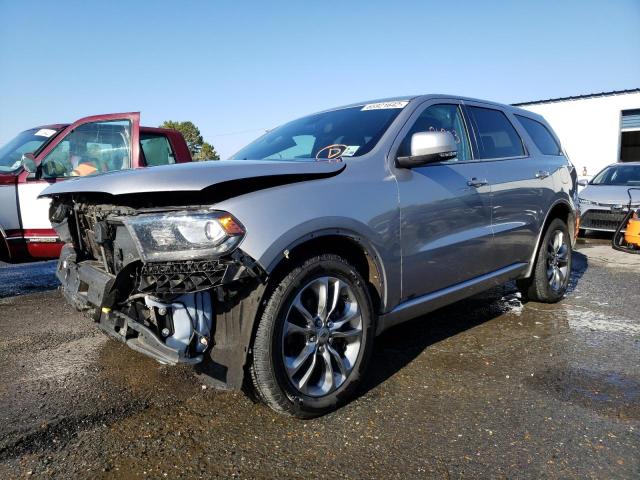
pixel 630 136
pixel 631 120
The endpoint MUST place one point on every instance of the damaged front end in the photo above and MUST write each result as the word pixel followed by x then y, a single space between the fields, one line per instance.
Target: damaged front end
pixel 153 278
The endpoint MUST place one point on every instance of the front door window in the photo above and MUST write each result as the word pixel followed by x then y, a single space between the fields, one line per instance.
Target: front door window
pixel 440 118
pixel 90 149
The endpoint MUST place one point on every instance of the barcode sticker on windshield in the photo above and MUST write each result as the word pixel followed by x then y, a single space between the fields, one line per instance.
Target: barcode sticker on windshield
pixel 385 105
pixel 44 132
pixel 350 151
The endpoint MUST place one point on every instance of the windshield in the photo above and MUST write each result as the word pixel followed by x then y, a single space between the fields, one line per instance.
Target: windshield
pixel 621 175
pixel 348 132
pixel 28 141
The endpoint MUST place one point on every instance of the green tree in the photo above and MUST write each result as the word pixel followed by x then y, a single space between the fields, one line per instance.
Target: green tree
pixel 207 152
pixel 200 150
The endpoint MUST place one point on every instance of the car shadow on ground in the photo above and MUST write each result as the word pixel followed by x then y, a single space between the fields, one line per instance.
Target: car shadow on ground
pixel 23 278
pixel 398 346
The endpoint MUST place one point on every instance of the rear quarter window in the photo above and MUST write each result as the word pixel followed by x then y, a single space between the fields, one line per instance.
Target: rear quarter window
pixel 540 135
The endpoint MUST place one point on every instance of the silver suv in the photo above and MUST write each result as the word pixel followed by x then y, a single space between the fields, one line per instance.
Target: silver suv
pixel 277 268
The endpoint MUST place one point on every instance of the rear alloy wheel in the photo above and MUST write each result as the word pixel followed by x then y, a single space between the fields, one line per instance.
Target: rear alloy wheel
pixel 558 261
pixel 314 338
pixel 552 270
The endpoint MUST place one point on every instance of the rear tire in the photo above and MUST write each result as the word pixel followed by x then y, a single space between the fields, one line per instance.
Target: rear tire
pixel 314 339
pixel 552 270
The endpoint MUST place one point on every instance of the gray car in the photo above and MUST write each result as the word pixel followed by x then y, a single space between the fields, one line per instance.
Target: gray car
pixel 276 269
pixel 605 199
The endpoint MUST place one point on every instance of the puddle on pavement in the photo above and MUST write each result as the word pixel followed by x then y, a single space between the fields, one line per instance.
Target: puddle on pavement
pixel 20 279
pixel 512 303
pixel 584 319
pixel 607 393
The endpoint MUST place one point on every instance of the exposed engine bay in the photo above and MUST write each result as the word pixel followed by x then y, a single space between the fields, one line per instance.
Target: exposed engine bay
pixel 152 277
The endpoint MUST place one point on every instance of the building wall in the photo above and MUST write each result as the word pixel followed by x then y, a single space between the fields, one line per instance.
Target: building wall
pixel 589 128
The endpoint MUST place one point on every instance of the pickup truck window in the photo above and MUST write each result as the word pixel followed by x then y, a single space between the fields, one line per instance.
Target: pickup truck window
pixel 157 149
pixel 90 149
pixel 347 132
pixel 28 141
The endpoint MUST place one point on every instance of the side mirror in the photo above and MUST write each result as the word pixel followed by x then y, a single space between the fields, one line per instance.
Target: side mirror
pixel 583 182
pixel 427 147
pixel 29 165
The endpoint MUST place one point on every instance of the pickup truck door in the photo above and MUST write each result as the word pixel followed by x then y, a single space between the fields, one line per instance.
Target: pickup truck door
pixel 86 140
pixel 445 208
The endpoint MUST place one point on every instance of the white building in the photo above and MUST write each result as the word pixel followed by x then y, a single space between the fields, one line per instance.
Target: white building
pixel 595 130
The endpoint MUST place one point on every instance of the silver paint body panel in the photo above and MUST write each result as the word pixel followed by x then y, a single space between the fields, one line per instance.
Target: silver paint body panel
pixel 186 177
pixel 434 238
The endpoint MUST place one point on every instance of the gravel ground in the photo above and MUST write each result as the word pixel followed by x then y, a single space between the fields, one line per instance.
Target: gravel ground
pixel 487 388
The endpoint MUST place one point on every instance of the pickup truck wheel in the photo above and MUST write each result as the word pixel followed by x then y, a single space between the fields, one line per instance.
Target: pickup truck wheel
pixel 314 339
pixel 552 270
pixel 4 251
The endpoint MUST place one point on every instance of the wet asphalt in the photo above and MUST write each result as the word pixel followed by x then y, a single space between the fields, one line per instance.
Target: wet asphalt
pixel 486 388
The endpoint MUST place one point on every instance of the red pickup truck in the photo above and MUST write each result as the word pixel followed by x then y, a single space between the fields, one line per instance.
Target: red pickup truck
pixel 43 155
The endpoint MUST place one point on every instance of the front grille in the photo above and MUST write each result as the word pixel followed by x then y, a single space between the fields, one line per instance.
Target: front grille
pixel 601 220
pixel 180 277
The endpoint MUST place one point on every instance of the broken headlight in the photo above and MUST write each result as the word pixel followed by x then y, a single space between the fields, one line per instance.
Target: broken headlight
pixel 184 235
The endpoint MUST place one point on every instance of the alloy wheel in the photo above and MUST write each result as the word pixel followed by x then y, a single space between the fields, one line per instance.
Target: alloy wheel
pixel 322 336
pixel 557 260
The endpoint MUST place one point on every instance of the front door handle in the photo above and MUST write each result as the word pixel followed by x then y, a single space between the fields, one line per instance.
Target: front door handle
pixel 477 182
pixel 542 174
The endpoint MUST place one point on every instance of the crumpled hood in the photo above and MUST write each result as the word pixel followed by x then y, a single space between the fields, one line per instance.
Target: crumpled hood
pixel 610 194
pixel 191 177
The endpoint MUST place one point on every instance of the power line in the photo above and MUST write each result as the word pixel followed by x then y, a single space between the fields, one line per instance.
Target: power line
pixel 228 134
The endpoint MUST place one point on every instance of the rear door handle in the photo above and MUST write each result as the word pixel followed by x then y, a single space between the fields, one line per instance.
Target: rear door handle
pixel 542 174
pixel 477 182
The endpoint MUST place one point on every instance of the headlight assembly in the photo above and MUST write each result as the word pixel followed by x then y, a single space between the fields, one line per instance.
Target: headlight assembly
pixel 584 201
pixel 184 235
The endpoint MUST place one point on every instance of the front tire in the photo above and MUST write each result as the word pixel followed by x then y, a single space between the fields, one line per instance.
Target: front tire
pixel 552 270
pixel 314 339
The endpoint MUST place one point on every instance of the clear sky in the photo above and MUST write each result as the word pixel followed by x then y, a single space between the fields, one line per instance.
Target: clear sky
pixel 235 68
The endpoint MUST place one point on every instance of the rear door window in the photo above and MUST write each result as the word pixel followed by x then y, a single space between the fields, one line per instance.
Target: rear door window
pixel 540 135
pixel 157 149
pixel 495 135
